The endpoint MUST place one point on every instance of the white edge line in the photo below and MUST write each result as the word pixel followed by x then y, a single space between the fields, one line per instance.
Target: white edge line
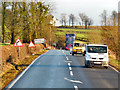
pixel 71 73
pixel 24 72
pixel 76 87
pixel 114 69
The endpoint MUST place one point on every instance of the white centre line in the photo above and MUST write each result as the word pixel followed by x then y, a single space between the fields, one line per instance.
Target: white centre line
pixel 73 81
pixel 71 73
pixel 76 87
pixel 68 61
pixel 68 64
pixel 70 68
pixel 67 58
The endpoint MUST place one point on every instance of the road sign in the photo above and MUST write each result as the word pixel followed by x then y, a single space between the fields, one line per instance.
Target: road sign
pixel 18 43
pixel 39 41
pixel 31 45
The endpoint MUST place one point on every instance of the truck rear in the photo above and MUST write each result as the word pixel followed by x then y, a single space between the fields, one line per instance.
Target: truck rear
pixel 70 38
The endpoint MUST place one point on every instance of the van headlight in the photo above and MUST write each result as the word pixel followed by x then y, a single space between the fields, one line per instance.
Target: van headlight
pixel 105 57
pixel 88 56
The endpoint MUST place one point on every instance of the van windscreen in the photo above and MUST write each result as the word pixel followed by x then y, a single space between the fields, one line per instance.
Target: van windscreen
pixel 97 49
pixel 78 44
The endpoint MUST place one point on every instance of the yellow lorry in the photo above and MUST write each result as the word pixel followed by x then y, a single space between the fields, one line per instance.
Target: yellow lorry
pixel 78 47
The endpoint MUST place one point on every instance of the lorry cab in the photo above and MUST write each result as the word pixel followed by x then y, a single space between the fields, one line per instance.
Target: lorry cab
pixel 78 47
pixel 96 55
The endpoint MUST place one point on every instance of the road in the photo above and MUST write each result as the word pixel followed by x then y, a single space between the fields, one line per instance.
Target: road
pixel 59 69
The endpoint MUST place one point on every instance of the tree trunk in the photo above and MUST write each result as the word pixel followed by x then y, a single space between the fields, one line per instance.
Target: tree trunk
pixel 3 21
pixel 12 39
pixel 85 25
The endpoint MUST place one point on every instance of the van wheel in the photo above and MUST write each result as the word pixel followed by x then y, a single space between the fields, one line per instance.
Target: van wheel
pixel 83 54
pixel 86 66
pixel 90 65
pixel 106 67
pixel 73 54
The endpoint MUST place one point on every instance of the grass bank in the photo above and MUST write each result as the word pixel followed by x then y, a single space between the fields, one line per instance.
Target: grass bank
pixel 115 63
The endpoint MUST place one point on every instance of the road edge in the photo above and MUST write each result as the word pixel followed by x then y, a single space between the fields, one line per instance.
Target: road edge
pixel 114 68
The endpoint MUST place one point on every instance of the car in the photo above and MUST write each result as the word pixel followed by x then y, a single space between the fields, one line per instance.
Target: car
pixel 96 55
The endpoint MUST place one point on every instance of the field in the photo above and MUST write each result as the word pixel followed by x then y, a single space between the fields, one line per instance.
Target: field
pixel 80 34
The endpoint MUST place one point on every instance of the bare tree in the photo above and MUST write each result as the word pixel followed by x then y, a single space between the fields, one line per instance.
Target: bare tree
pixel 63 19
pixel 84 18
pixel 104 17
pixel 114 17
pixel 86 21
pixel 3 21
pixel 77 21
pixel 90 22
pixel 71 19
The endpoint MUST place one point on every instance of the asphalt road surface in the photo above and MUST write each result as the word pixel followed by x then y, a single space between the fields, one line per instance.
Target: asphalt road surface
pixel 59 69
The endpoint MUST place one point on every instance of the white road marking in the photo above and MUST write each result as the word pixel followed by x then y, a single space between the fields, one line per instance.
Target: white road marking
pixel 70 68
pixel 71 73
pixel 67 58
pixel 73 81
pixel 114 69
pixel 76 87
pixel 68 64
pixel 38 64
pixel 24 71
pixel 68 61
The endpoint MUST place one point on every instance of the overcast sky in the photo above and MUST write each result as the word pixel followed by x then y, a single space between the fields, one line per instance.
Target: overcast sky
pixel 92 8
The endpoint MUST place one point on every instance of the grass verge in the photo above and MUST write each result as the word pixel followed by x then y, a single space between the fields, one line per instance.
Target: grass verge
pixel 5 44
pixel 12 73
pixel 114 63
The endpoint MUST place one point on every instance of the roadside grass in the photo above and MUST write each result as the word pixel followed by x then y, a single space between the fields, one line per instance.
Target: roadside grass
pixel 115 63
pixel 12 73
pixel 5 44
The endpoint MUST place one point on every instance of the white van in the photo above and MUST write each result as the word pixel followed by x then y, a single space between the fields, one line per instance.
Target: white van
pixel 96 55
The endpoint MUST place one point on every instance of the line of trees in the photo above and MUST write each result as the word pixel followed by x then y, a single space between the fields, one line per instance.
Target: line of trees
pixel 72 20
pixel 26 20
pixel 110 31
